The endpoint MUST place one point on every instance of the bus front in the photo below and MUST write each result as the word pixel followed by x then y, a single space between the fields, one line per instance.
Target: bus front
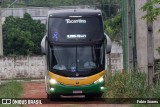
pixel 75 55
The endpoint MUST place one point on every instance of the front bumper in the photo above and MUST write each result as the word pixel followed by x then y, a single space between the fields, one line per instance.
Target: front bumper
pixel 85 89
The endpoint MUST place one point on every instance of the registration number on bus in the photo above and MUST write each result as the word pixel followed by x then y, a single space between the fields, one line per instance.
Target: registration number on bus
pixel 77 92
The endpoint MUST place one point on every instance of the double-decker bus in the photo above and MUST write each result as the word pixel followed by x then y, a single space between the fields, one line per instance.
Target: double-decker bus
pixel 75 46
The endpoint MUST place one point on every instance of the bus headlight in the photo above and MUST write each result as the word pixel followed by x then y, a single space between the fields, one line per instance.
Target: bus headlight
pixel 99 80
pixel 52 81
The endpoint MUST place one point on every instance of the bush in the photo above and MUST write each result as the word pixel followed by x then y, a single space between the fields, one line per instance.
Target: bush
pixel 129 85
pixel 22 36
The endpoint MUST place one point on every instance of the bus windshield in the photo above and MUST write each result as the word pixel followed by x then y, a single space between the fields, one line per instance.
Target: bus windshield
pixel 76 61
pixel 79 29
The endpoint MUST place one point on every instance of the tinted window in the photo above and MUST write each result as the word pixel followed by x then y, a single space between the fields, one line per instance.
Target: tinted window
pixel 84 61
pixel 79 29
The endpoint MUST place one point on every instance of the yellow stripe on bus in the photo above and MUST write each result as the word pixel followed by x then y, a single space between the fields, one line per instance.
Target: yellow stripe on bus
pixel 76 81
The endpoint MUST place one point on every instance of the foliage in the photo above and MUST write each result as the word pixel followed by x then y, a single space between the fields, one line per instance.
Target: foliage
pixel 157 69
pixel 158 49
pixel 22 36
pixel 152 9
pixel 113 27
pixel 130 85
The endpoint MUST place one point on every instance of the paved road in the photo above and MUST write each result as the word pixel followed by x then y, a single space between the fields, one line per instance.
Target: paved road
pixel 37 90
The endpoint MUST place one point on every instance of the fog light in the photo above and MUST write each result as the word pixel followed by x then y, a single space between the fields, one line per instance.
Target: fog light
pixel 102 88
pixel 52 89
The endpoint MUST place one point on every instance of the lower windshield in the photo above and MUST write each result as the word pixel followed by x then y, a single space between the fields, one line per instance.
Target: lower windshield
pixel 77 61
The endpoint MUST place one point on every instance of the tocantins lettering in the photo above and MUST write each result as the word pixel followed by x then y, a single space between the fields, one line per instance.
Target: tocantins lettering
pixel 75 21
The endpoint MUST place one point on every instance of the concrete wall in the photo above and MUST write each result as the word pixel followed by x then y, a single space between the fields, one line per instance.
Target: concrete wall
pixel 34 12
pixel 141 33
pixel 37 13
pixel 22 67
pixel 116 61
pixel 116 57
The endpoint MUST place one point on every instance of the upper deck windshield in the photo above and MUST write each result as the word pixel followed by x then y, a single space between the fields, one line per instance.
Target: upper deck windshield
pixel 76 61
pixel 81 29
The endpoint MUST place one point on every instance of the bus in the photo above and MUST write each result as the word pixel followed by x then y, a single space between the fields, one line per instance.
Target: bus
pixel 75 46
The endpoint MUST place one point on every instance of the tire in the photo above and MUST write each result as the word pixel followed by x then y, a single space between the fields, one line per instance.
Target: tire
pixel 53 97
pixel 48 96
pixel 99 95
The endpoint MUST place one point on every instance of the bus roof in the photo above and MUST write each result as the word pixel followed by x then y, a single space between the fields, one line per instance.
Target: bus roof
pixel 74 12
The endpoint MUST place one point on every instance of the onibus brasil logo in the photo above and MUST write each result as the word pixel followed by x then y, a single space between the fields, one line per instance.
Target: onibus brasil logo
pixel 21 101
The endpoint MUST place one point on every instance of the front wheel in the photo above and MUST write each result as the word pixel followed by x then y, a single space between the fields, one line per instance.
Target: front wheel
pixel 53 97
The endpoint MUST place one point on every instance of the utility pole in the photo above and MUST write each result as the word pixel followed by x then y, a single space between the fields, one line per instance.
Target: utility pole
pixel 150 53
pixel 128 37
pixel 124 35
pixel 1 37
pixel 1 44
pixel 134 34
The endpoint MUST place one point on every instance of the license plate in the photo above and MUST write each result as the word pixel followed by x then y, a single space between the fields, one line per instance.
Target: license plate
pixel 77 92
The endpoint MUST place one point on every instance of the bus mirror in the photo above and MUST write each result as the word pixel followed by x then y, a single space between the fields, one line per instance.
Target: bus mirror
pixel 108 44
pixel 43 45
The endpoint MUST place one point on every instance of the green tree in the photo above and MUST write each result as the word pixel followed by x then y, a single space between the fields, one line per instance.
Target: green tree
pixel 22 36
pixel 152 9
pixel 113 27
pixel 18 42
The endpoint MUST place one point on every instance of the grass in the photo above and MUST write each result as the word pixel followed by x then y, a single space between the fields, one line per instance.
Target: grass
pixel 11 89
pixel 126 85
pixel 131 85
